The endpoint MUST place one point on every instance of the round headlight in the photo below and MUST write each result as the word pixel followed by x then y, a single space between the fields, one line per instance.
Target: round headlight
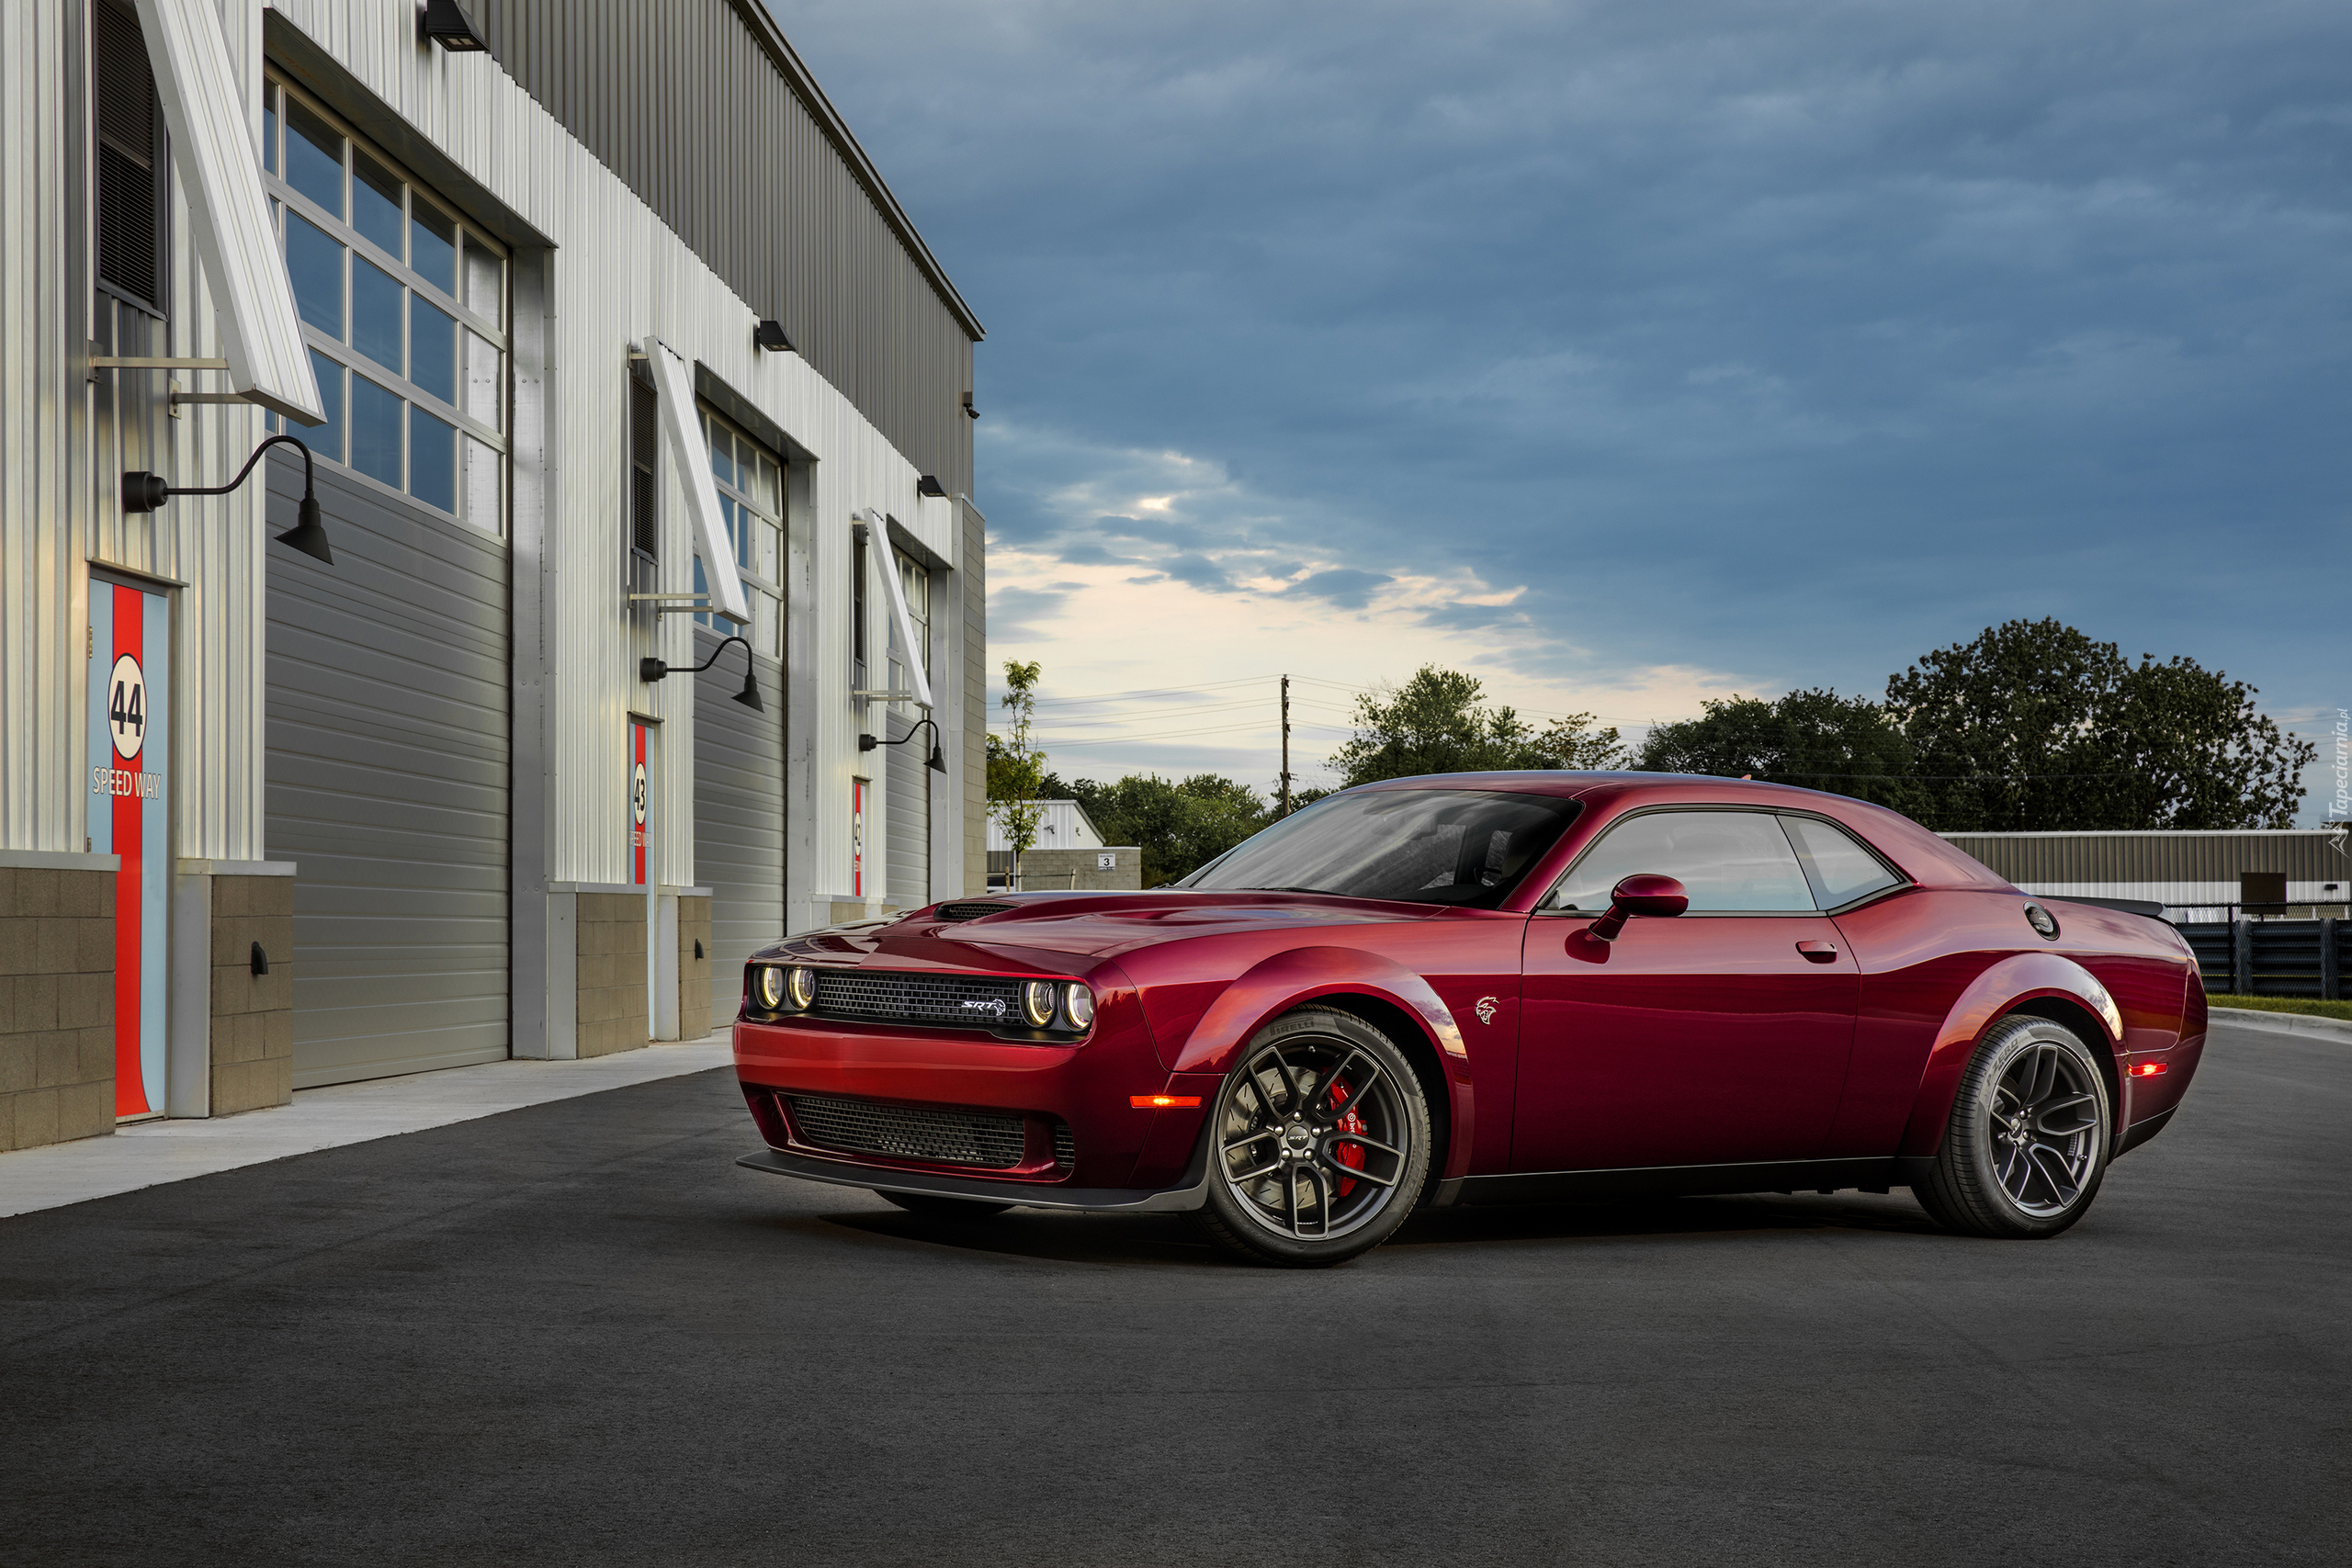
pixel 1078 1004
pixel 1037 1000
pixel 800 988
pixel 767 987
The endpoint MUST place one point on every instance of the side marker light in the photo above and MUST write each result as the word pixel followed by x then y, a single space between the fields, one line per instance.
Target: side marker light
pixel 1164 1101
pixel 2148 1070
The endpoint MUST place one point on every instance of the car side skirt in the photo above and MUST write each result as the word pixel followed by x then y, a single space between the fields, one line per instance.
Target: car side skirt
pixel 1684 1181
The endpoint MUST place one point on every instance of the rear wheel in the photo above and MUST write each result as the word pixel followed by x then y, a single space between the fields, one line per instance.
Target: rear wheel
pixel 2026 1148
pixel 1322 1143
pixel 936 1208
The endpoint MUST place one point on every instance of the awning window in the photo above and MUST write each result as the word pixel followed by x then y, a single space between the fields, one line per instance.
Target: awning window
pixel 900 617
pixel 682 428
pixel 212 147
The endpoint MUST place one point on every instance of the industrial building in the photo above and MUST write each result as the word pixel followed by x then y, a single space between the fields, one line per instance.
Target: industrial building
pixel 621 612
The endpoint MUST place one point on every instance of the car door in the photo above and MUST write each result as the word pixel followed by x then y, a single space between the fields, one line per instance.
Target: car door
pixel 1719 1037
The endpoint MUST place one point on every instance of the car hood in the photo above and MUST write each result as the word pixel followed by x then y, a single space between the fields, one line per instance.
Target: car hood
pixel 1045 931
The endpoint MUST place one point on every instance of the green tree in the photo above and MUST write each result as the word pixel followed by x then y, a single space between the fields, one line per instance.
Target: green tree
pixel 1816 740
pixel 1179 825
pixel 2034 725
pixel 1016 767
pixel 1437 723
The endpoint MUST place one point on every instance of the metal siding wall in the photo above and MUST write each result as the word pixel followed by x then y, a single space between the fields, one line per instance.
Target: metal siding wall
pixel 738 819
pixel 910 885
pixel 618 273
pixel 668 94
pixel 388 781
pixel 2171 858
pixel 972 579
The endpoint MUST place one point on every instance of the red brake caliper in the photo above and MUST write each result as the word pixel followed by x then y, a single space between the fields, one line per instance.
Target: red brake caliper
pixel 1349 1155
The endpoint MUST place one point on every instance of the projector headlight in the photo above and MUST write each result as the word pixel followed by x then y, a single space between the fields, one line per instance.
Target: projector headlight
pixel 1038 999
pixel 800 988
pixel 1078 1004
pixel 767 987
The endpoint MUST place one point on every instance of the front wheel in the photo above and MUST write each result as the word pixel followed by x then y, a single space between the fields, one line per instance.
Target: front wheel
pixel 1322 1143
pixel 2026 1148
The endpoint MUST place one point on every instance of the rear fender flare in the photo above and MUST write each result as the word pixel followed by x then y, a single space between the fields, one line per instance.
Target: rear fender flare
pixel 1286 981
pixel 2001 989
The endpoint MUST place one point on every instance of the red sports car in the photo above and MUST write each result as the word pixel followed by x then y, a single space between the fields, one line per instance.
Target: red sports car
pixel 1487 988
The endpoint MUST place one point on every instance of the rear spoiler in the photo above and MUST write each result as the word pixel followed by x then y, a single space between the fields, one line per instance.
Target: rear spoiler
pixel 2153 911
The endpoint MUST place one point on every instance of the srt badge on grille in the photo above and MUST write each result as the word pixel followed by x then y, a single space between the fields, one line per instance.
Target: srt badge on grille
pixel 989 1005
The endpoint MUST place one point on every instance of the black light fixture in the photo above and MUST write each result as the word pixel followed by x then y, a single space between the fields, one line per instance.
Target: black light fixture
pixel 143 491
pixel 970 412
pixel 928 485
pixel 652 670
pixel 938 763
pixel 769 334
pixel 445 22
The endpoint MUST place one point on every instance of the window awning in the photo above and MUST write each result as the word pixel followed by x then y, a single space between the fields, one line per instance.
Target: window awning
pixel 898 613
pixel 212 148
pixel 674 387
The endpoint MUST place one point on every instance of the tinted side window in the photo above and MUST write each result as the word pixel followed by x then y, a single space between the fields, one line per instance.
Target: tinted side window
pixel 1841 870
pixel 1725 860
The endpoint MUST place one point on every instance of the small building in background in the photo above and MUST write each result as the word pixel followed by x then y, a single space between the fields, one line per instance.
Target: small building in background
pixel 2197 876
pixel 1068 856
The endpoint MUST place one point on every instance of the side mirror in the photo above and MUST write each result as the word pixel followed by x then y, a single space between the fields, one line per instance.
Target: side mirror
pixel 1640 894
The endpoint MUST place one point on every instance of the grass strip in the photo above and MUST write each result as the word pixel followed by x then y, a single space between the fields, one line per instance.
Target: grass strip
pixel 2310 1005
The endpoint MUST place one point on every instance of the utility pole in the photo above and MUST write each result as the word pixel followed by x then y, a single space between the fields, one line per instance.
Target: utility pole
pixel 1285 746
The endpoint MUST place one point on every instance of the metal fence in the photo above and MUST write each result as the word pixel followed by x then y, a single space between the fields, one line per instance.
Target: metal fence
pixel 2269 958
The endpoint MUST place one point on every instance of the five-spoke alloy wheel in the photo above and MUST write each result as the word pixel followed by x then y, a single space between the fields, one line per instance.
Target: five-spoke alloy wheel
pixel 1319 1142
pixel 2027 1145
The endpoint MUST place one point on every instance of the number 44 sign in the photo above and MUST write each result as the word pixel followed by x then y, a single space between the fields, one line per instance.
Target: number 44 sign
pixel 128 817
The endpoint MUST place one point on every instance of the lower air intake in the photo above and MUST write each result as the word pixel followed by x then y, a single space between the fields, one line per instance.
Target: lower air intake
pixel 1065 1146
pixel 904 1132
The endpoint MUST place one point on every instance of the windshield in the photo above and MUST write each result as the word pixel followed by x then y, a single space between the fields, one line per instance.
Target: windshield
pixel 1425 846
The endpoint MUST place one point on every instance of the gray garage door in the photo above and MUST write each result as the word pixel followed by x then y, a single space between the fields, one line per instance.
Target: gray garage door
pixel 738 816
pixel 909 802
pixel 387 779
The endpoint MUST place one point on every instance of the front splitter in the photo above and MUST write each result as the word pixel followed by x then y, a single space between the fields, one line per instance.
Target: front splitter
pixel 1075 1200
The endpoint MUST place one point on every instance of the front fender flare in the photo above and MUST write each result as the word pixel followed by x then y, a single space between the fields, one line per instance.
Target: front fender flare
pixel 1993 994
pixel 1286 980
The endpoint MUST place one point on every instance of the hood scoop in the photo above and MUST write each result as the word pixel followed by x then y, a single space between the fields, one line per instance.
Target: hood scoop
pixel 973 911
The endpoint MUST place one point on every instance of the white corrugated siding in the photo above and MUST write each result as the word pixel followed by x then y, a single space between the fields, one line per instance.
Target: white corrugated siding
pixel 621 275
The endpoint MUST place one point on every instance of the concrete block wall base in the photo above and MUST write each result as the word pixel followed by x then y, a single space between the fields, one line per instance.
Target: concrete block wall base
pixel 252 1015
pixel 56 1006
pixel 612 982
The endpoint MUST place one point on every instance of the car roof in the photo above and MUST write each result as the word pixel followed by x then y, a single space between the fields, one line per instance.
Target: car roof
pixel 1926 858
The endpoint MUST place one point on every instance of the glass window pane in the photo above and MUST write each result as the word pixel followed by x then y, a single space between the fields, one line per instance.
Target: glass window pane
pixel 432 460
pixel 376 313
pixel 433 246
pixel 376 431
pixel 769 546
pixel 1842 870
pixel 314 157
pixel 722 453
pixel 485 283
pixel 314 265
pixel 702 586
pixel 484 492
pixel 485 388
pixel 1725 860
pixel 375 201
pixel 269 131
pixel 432 349
pixel 767 626
pixel 771 489
pixel 325 440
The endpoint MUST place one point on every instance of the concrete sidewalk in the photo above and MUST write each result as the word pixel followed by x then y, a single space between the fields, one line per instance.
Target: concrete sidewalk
pixel 146 1153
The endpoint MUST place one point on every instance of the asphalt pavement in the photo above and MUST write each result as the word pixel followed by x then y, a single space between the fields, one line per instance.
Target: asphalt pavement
pixel 577 1333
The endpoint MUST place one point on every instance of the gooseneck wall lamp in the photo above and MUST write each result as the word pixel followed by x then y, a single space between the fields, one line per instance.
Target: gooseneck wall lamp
pixel 650 670
pixel 143 491
pixel 938 763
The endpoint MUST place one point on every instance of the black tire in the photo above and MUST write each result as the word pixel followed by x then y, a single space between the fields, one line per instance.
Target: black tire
pixel 1319 1144
pixel 2005 1169
pixel 961 1210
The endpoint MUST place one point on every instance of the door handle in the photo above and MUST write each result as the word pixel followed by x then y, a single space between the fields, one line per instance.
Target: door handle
pixel 1819 951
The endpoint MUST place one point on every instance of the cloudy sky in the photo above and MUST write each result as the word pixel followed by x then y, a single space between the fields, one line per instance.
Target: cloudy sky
pixel 1626 355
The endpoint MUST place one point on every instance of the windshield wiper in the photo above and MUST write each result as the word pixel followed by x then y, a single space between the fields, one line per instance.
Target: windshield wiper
pixel 1325 891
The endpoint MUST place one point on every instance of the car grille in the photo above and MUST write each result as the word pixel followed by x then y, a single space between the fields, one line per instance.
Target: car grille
pixel 977 1001
pixel 906 1131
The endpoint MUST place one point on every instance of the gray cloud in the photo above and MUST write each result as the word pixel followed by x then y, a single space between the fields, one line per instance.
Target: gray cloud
pixel 1345 587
